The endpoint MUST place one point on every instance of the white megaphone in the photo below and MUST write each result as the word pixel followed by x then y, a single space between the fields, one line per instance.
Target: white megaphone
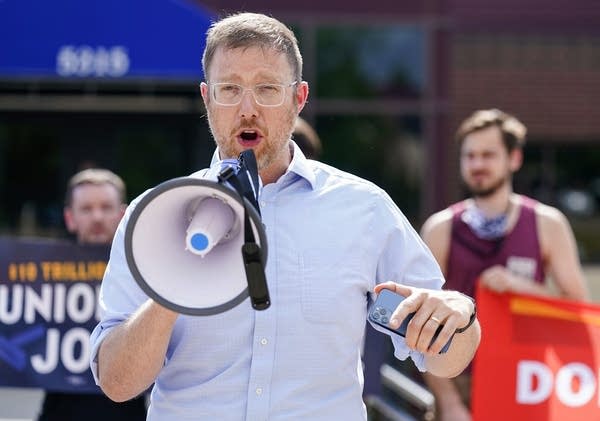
pixel 198 246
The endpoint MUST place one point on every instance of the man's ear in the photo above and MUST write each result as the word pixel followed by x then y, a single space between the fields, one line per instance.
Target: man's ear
pixel 301 95
pixel 516 159
pixel 204 93
pixel 69 220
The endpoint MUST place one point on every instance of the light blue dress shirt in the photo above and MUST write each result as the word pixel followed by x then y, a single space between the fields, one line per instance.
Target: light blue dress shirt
pixel 331 237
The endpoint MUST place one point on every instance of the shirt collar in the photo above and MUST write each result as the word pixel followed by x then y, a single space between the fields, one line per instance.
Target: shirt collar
pixel 299 164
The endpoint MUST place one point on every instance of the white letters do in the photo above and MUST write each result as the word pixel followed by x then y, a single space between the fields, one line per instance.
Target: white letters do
pixel 535 383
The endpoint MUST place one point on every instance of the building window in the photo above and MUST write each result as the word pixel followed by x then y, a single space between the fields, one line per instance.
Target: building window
pixel 370 62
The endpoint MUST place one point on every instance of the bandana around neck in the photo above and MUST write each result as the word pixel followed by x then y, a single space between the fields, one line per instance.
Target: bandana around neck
pixel 485 228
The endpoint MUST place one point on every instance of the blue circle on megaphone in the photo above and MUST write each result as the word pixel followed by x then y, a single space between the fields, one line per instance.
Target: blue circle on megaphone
pixel 199 242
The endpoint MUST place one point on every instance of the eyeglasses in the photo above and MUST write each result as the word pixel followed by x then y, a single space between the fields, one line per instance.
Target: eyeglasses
pixel 265 94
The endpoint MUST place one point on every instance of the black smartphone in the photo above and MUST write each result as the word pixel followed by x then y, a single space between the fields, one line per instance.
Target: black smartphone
pixel 382 310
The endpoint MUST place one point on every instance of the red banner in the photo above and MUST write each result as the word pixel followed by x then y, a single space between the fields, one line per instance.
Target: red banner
pixel 539 359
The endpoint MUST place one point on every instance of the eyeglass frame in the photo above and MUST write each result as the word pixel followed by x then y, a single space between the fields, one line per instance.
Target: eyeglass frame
pixel 244 89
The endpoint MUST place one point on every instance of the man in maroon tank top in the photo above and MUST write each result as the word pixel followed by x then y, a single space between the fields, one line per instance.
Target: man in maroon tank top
pixel 497 239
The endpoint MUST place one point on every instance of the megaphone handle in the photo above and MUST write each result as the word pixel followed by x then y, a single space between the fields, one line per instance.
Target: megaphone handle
pixel 255 274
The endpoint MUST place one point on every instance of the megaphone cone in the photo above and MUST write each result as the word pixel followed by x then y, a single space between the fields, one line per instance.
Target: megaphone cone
pixel 183 245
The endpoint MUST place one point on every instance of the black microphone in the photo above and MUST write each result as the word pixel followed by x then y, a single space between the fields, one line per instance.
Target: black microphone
pixel 245 182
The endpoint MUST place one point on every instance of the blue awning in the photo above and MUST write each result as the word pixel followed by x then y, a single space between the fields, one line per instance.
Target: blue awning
pixel 108 39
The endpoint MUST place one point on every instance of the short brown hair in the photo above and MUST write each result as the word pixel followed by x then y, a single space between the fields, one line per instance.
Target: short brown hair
pixel 513 131
pixel 244 30
pixel 94 176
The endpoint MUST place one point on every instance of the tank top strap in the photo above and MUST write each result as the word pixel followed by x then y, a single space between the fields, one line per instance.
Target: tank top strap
pixel 457 210
pixel 527 213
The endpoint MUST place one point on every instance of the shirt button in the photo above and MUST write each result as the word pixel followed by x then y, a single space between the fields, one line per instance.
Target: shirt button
pixel 263 203
pixel 258 391
pixel 264 341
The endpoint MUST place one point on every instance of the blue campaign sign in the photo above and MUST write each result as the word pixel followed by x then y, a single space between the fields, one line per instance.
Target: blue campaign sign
pixel 157 39
pixel 48 308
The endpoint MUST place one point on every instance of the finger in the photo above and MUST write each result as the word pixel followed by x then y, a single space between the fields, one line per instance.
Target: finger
pixel 436 320
pixel 495 283
pixel 484 280
pixel 384 285
pixel 428 331
pixel 418 311
pixel 404 290
pixel 444 334
pixel 481 282
pixel 411 304
pixel 393 286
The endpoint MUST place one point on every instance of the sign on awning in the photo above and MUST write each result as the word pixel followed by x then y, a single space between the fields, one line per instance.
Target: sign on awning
pixel 151 39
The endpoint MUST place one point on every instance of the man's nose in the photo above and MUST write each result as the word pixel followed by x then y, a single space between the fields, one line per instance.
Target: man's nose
pixel 97 214
pixel 248 105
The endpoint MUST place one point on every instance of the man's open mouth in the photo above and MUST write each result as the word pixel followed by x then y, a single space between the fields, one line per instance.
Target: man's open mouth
pixel 249 135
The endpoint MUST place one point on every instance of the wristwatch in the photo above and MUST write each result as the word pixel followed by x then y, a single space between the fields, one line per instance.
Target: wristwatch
pixel 473 315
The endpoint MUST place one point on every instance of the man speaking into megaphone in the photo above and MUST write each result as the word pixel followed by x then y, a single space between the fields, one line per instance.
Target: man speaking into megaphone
pixel 184 322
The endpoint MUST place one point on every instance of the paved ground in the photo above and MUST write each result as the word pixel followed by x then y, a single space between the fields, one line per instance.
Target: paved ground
pixel 19 404
pixel 592 274
pixel 23 404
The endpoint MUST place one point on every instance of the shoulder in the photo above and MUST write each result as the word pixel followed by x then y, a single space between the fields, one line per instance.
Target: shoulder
pixel 438 224
pixel 348 191
pixel 436 233
pixel 325 172
pixel 549 217
pixel 553 228
pixel 329 178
